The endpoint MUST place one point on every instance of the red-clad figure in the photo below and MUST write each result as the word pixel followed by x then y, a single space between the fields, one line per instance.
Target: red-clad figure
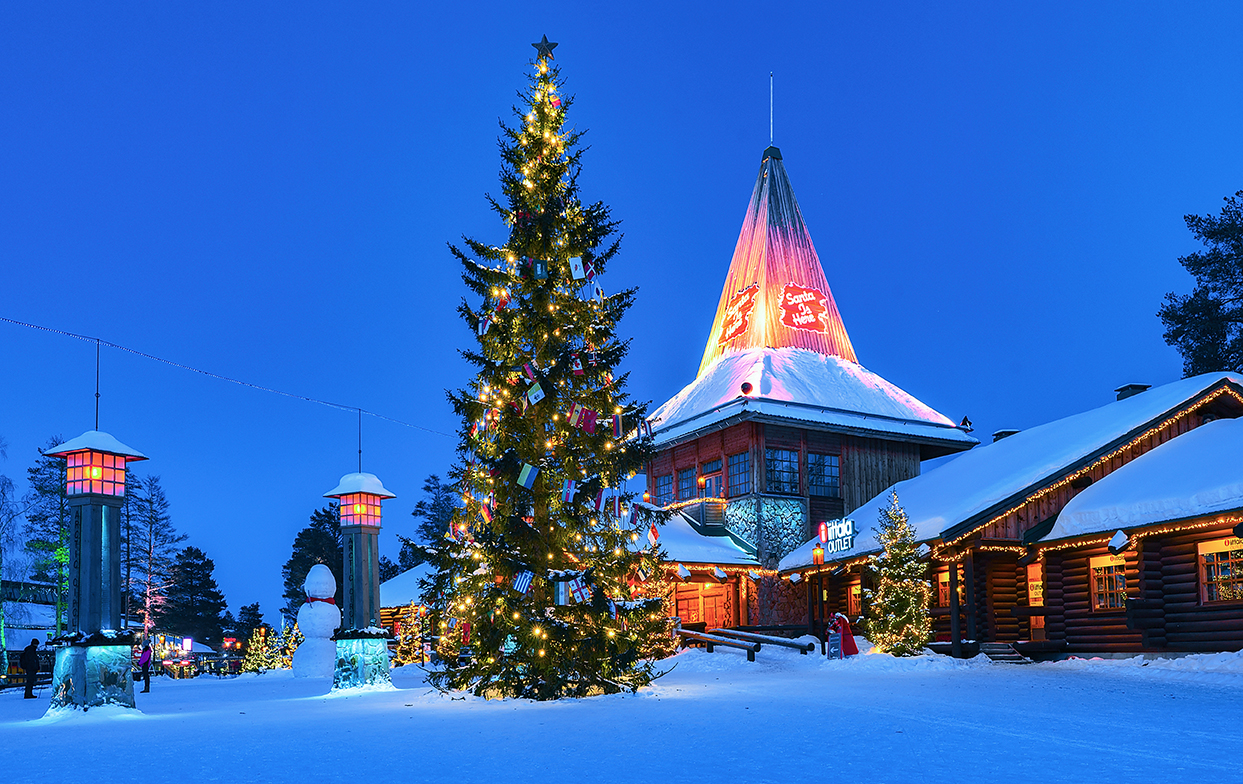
pixel 841 625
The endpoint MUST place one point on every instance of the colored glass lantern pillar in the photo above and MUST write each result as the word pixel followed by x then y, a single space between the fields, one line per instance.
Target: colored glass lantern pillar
pixel 362 648
pixel 359 496
pixel 93 665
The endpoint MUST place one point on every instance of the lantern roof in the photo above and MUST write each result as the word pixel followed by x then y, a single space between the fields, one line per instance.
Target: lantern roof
pixel 96 441
pixel 359 483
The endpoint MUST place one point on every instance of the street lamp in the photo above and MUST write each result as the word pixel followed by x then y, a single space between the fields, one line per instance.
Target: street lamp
pixel 362 650
pixel 97 641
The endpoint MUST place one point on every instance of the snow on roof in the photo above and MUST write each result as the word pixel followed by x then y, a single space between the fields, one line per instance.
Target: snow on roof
pixel 683 544
pixel 404 588
pixel 97 441
pixel 803 385
pixel 984 480
pixel 359 483
pixel 1199 473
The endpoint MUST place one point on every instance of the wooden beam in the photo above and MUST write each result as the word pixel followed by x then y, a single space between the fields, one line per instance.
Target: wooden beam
pixel 969 576
pixel 955 621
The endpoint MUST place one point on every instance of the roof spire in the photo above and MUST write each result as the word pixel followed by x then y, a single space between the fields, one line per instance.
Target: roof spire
pixel 770 108
pixel 775 294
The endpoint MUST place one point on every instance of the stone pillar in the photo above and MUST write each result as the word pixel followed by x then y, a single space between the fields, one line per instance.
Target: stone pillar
pixel 361 570
pixel 95 598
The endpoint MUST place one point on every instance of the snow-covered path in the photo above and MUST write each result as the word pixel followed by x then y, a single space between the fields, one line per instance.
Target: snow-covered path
pixel 784 718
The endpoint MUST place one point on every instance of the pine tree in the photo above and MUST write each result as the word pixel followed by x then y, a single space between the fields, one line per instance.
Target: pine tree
pixel 898 617
pixel 433 511
pixel 249 618
pixel 318 543
pixel 1206 326
pixel 194 607
pixel 152 548
pixel 537 444
pixel 47 526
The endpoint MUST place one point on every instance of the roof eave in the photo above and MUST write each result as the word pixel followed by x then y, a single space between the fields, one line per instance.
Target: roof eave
pixel 982 517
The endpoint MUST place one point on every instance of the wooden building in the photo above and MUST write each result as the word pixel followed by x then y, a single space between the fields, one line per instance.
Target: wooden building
pixel 987 518
pixel 1151 557
pixel 782 428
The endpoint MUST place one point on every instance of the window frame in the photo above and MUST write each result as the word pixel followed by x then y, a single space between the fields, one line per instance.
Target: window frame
pixel 786 458
pixel 1109 567
pixel 742 476
pixel 686 484
pixel 830 460
pixel 1232 548
pixel 664 498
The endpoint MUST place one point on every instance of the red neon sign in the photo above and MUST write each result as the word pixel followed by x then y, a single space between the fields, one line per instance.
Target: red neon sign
pixel 803 308
pixel 738 314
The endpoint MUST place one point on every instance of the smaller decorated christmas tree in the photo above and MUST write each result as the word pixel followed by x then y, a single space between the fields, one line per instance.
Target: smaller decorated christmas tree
pixel 262 653
pixel 898 618
pixel 291 637
pixel 410 637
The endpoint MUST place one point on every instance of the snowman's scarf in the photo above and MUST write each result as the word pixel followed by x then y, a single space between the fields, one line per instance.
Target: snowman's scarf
pixel 329 600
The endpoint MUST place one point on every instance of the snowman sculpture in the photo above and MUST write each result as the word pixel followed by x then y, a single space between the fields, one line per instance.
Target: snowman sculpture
pixel 318 619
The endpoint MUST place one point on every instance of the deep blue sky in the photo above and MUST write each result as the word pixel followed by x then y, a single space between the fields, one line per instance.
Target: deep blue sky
pixel 265 191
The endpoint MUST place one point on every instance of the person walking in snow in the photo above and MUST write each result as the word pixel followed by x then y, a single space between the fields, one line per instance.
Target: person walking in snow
pixel 30 665
pixel 144 662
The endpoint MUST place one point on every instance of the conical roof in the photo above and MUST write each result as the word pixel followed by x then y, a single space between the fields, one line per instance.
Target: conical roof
pixel 776 294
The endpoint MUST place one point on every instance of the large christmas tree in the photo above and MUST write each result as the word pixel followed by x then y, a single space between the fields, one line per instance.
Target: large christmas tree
pixel 543 578
pixel 898 618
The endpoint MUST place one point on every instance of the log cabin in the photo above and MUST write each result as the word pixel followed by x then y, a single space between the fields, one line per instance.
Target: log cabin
pixel 1150 558
pixel 986 518
pixel 782 428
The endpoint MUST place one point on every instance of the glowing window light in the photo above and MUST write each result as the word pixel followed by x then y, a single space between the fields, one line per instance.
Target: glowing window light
pixel 95 464
pixel 359 496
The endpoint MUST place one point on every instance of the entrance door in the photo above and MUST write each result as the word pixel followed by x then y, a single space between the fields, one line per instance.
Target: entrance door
pixel 718 606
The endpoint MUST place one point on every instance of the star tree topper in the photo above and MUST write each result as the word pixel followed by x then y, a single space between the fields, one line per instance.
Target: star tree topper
pixel 544 48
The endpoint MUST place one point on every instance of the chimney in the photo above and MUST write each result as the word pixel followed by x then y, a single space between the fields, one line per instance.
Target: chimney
pixel 1000 434
pixel 1129 390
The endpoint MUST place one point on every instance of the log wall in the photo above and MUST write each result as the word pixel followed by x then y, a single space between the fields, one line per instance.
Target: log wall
pixel 1068 599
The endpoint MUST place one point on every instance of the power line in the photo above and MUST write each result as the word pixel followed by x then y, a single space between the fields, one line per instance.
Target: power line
pixel 239 382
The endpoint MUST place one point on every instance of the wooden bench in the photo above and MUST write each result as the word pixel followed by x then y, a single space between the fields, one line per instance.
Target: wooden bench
pixel 803 648
pixel 710 642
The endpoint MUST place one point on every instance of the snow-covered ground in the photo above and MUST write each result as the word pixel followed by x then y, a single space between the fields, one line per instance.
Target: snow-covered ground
pixel 784 718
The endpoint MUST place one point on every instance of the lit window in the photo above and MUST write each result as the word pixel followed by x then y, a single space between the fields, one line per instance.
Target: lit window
pixel 739 474
pixel 1108 582
pixel 781 471
pixel 94 472
pixel 854 600
pixel 360 509
pixel 822 475
pixel 1221 570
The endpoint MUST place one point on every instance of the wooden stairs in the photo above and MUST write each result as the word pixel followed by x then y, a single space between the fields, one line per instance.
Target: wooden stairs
pixel 1003 652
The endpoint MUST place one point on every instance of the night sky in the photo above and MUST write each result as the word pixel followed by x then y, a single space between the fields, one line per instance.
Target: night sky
pixel 265 191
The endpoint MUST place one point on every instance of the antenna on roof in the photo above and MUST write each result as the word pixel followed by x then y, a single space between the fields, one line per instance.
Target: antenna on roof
pixel 96 383
pixel 770 108
pixel 360 440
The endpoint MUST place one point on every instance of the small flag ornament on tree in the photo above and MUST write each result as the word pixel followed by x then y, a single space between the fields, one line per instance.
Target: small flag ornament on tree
pixel 526 477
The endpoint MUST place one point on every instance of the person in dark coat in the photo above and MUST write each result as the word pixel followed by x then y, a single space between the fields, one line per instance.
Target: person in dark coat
pixel 144 661
pixel 30 665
